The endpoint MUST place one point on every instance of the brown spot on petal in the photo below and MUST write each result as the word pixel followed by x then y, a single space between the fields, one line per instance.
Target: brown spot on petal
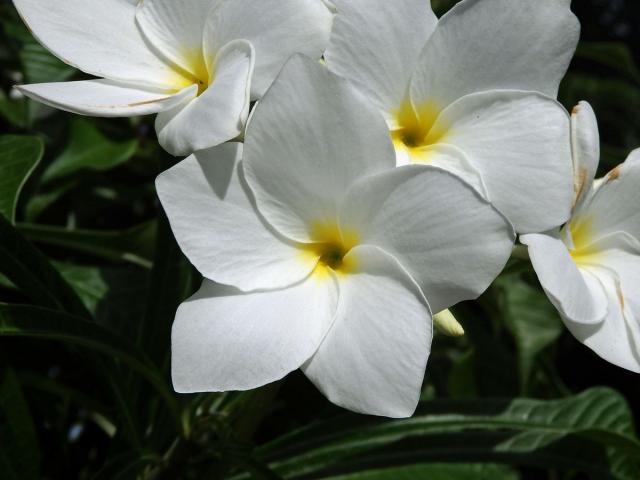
pixel 613 174
pixel 575 110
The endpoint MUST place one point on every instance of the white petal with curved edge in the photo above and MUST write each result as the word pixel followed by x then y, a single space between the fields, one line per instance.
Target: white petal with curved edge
pixel 374 357
pixel 276 28
pixel 176 28
pixel 452 241
pixel 106 98
pixel 215 223
pixel 219 114
pixel 576 295
pixel 99 37
pixel 310 138
pixel 615 339
pixel 223 339
pixel 585 141
pixel 614 206
pixel 452 159
pixel 619 260
pixel 520 144
pixel 376 44
pixel 484 45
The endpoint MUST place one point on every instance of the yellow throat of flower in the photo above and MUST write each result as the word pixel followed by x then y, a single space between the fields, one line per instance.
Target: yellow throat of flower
pixel 581 231
pixel 330 248
pixel 198 73
pixel 416 130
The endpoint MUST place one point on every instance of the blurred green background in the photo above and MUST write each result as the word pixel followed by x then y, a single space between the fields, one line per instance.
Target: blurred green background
pixel 90 277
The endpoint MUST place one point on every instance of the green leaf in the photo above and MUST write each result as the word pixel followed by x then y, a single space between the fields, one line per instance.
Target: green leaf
pixel 19 439
pixel 41 323
pixel 40 66
pixel 590 432
pixel 434 471
pixel 87 282
pixel 15 112
pixel 532 319
pixel 616 56
pixel 32 273
pixel 134 245
pixel 172 281
pixel 19 156
pixel 89 149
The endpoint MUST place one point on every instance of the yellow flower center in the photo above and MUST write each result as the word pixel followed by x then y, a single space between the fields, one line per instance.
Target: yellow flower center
pixel 197 74
pixel 581 232
pixel 330 248
pixel 416 130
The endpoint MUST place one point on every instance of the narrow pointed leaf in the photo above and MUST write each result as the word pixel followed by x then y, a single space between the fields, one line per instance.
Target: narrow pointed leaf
pixel 19 156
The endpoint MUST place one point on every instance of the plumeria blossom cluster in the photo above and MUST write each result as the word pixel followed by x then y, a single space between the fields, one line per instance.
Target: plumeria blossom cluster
pixel 388 162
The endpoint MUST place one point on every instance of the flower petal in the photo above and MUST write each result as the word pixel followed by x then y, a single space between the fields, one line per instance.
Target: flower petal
pixel 376 44
pixel 215 223
pixel 614 206
pixel 223 339
pixel 497 45
pixel 219 114
pixel 585 141
pixel 576 294
pixel 276 28
pixel 176 28
pixel 616 339
pixel 520 144
pixel 309 139
pixel 98 37
pixel 452 241
pixel 106 98
pixel 374 357
pixel 452 159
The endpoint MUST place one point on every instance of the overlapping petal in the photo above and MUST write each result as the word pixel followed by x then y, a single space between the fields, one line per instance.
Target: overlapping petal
pixel 220 113
pixel 373 358
pixel 585 142
pixel 175 28
pixel 276 28
pixel 106 98
pixel 215 223
pixel 309 139
pixel 376 44
pixel 616 338
pixel 454 160
pixel 577 294
pixel 451 240
pixel 613 207
pixel 482 45
pixel 223 339
pixel 99 37
pixel 520 144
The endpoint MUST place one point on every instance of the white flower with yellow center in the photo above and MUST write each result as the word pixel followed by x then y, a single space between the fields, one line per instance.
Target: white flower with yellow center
pixel 590 269
pixel 459 92
pixel 318 253
pixel 197 63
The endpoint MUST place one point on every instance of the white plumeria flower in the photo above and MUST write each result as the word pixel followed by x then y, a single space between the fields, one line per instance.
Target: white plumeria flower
pixel 460 92
pixel 197 63
pixel 318 253
pixel 590 269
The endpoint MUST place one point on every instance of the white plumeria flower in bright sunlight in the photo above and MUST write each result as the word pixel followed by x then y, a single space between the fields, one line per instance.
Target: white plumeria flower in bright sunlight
pixel 470 92
pixel 196 63
pixel 590 269
pixel 318 253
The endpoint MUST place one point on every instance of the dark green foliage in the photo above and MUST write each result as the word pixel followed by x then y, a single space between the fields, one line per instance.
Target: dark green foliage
pixel 91 276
